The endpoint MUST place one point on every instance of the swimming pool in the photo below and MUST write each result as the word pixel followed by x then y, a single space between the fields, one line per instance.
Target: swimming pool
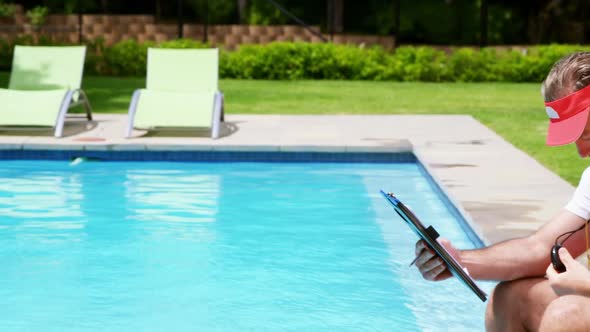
pixel 126 246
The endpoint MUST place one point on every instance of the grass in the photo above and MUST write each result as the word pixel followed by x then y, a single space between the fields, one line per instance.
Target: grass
pixel 514 111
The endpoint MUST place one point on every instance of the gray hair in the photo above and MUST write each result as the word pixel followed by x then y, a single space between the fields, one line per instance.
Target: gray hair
pixel 570 74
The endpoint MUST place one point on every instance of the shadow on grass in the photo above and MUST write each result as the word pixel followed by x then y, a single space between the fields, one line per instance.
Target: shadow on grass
pixel 111 95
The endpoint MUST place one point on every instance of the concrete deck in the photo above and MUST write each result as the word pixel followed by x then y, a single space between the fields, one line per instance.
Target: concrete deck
pixel 501 191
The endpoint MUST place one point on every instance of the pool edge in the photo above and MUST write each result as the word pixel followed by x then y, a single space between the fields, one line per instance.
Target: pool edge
pixel 467 223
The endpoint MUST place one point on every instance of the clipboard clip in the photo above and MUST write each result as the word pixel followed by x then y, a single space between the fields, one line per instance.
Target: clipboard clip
pixel 432 232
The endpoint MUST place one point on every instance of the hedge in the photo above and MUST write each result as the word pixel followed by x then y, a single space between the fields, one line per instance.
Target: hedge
pixel 293 61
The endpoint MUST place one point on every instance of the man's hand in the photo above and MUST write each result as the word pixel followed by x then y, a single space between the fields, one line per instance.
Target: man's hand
pixel 430 265
pixel 575 280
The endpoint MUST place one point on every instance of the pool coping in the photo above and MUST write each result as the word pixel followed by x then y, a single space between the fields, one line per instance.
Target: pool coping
pixel 500 191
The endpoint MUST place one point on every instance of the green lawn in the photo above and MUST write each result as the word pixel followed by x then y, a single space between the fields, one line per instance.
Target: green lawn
pixel 515 111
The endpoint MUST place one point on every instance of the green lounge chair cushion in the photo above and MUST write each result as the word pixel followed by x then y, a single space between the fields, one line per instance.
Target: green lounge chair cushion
pixel 182 70
pixel 174 109
pixel 47 67
pixel 30 108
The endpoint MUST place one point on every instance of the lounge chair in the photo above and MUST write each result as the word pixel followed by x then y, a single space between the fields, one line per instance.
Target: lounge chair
pixel 44 83
pixel 181 91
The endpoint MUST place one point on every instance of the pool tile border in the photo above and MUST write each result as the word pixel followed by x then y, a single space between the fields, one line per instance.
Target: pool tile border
pixel 209 155
pixel 466 223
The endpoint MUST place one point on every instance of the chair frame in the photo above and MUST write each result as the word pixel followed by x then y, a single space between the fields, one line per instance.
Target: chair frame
pixel 66 104
pixel 216 119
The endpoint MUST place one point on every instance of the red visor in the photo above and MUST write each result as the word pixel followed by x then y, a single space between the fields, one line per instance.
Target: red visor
pixel 567 117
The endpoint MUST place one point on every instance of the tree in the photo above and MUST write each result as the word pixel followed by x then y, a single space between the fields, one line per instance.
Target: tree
pixel 104 6
pixel 213 11
pixel 242 6
pixel 158 10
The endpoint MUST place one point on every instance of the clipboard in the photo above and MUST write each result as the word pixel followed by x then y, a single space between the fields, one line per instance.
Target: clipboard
pixel 429 234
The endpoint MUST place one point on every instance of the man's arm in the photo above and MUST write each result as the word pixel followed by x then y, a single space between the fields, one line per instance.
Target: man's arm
pixel 524 257
pixel 512 259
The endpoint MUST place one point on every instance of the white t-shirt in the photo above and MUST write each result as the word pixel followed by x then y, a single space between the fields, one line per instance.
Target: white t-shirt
pixel 580 202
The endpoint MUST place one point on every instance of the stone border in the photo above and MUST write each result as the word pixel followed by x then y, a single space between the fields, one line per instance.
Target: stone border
pixel 116 28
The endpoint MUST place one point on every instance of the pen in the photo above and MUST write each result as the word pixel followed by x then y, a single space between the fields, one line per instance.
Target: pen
pixel 414 261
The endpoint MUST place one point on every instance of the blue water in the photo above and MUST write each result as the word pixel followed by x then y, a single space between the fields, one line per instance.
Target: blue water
pixel 220 247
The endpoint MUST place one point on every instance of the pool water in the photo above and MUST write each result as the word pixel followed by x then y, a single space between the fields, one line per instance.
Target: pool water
pixel 156 246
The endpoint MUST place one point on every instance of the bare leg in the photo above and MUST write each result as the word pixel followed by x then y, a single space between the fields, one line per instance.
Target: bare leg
pixel 518 305
pixel 567 313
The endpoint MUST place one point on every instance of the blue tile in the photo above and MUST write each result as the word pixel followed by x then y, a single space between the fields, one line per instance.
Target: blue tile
pixel 212 156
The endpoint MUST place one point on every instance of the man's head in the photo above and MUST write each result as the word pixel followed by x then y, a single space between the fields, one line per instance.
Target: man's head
pixel 566 91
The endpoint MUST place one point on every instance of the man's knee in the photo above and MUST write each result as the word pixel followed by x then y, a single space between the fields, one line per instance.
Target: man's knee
pixel 504 291
pixel 502 309
pixel 518 304
pixel 567 313
pixel 507 296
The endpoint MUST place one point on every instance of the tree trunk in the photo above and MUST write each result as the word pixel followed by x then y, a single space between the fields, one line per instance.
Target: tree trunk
pixel 396 22
pixel 158 13
pixel 483 23
pixel 585 30
pixel 104 6
pixel 458 10
pixel 335 10
pixel 242 5
pixel 180 18
pixel 338 16
pixel 330 18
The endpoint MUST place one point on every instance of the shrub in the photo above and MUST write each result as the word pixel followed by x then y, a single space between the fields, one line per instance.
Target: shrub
pixel 183 43
pixel 24 40
pixel 541 58
pixel 292 61
pixel 508 65
pixel 126 58
pixel 277 61
pixel 95 58
pixel 5 54
pixel 418 64
pixel 469 65
pixel 7 9
pixel 283 60
pixel 37 15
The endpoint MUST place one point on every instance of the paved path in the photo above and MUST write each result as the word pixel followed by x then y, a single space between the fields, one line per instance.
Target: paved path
pixel 500 190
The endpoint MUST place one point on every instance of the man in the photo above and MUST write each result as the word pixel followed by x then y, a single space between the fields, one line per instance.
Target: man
pixel 532 295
